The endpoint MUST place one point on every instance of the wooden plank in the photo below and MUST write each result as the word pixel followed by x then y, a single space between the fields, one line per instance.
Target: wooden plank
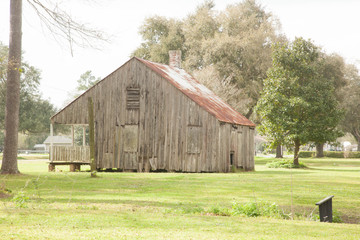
pixel 204 141
pixel 209 143
pixel 142 121
pixel 176 133
pixel 166 126
pixel 245 144
pixel 148 120
pixel 251 149
pixel 91 135
pixel 71 154
pixel 216 151
pixel 172 124
pixel 156 113
pixel 182 133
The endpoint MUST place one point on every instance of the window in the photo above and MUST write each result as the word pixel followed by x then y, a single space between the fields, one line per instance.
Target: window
pixel 130 138
pixel 132 98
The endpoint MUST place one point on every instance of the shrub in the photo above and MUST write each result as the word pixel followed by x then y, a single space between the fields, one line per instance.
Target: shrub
pixel 192 210
pixel 354 154
pixel 307 154
pixel 329 154
pixel 250 209
pixel 285 163
pixel 337 217
pixel 220 211
pixel 341 154
pixel 255 209
pixel 21 200
pixel 333 154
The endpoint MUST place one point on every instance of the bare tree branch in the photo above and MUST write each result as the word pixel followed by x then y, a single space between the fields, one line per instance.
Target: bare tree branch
pixel 62 25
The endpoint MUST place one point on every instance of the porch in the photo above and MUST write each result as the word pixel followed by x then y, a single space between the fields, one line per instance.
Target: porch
pixel 73 155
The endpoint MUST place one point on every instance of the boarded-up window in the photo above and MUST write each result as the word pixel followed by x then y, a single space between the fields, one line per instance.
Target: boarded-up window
pixel 193 139
pixel 130 138
pixel 132 98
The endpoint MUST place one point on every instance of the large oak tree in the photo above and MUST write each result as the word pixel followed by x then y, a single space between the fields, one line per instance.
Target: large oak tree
pixel 351 103
pixel 230 48
pixel 298 102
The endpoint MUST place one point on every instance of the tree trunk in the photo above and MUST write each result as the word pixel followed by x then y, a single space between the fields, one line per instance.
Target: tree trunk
pixel 279 151
pixel 358 143
pixel 356 134
pixel 9 163
pixel 319 150
pixel 296 152
pixel 250 112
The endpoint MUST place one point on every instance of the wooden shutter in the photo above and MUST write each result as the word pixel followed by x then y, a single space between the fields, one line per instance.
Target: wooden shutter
pixel 132 98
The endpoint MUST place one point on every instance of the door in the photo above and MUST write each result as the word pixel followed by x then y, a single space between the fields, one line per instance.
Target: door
pixel 131 142
pixel 130 131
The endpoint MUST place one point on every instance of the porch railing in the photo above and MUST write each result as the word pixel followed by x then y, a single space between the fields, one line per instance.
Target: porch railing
pixel 70 154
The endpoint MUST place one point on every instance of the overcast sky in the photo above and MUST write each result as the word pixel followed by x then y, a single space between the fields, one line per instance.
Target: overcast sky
pixel 331 24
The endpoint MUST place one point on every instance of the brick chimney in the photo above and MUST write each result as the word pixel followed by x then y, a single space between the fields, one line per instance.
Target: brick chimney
pixel 175 58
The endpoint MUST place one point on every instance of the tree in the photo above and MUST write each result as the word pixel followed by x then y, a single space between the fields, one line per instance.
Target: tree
pixel 332 70
pixel 298 102
pixel 279 153
pixel 86 81
pixel 241 50
pixel 228 91
pixel 61 25
pixel 34 112
pixel 234 45
pixel 160 35
pixel 9 163
pixel 198 28
pixel 351 103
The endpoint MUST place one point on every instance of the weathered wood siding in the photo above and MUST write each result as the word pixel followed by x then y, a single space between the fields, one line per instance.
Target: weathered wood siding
pixel 70 154
pixel 168 131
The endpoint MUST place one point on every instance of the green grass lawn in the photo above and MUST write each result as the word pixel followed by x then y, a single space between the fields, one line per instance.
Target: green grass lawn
pixel 64 205
pixel 33 156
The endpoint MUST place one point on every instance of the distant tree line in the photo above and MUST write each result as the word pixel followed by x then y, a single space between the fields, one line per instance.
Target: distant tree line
pixel 35 111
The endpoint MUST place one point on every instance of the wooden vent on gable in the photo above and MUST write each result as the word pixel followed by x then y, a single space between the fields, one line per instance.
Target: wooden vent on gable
pixel 132 98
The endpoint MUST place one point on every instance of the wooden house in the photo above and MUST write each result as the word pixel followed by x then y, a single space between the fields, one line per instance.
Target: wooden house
pixel 57 141
pixel 150 116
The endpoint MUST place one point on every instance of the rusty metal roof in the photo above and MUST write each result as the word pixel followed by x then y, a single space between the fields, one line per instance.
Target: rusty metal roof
pixel 199 93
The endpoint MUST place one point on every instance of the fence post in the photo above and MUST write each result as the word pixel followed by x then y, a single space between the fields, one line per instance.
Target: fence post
pixel 72 136
pixel 91 136
pixel 51 142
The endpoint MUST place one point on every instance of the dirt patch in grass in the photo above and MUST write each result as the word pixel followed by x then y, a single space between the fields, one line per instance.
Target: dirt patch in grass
pixel 4 195
pixel 352 218
pixel 302 212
